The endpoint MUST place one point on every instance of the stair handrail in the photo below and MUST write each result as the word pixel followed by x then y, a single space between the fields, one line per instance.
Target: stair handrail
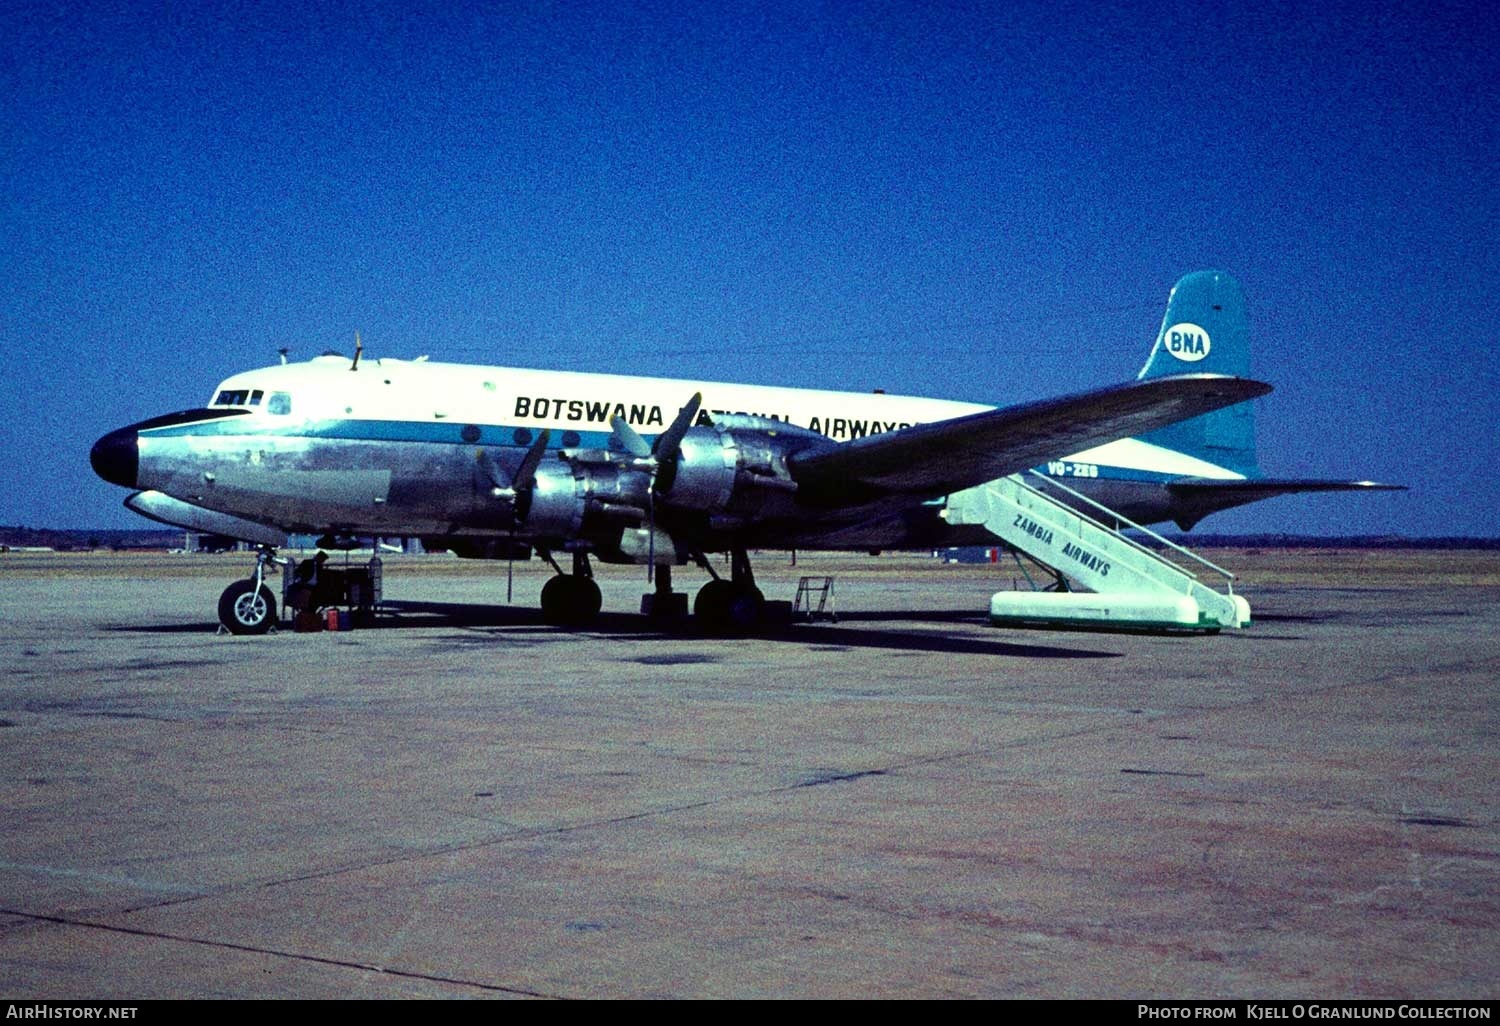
pixel 1229 576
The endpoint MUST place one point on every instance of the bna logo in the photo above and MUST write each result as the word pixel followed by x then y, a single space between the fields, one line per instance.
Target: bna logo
pixel 1187 342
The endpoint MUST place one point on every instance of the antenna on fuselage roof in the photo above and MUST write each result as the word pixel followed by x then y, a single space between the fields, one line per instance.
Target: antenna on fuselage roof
pixel 359 347
pixel 282 353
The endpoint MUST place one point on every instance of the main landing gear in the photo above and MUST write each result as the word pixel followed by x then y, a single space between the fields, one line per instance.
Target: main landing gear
pixel 735 604
pixel 663 603
pixel 571 600
pixel 248 606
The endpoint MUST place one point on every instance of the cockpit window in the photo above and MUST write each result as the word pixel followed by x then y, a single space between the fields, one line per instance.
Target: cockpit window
pixel 239 397
pixel 279 403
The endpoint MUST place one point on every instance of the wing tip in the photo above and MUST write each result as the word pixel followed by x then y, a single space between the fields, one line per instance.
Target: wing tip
pixel 1225 385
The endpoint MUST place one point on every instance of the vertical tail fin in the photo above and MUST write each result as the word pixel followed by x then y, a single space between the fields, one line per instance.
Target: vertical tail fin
pixel 1206 329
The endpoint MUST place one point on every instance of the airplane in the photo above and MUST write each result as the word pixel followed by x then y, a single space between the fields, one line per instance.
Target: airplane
pixel 496 461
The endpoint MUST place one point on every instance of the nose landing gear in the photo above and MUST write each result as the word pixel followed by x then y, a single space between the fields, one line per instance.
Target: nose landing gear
pixel 248 606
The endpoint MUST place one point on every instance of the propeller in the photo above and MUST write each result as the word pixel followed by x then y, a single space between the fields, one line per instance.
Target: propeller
pixel 652 458
pixel 510 490
pixel 513 491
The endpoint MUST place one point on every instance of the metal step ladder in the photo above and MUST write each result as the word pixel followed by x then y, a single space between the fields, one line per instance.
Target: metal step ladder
pixel 1137 584
pixel 802 605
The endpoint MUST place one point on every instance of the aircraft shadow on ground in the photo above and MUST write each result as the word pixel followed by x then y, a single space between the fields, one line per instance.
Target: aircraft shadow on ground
pixel 1260 617
pixel 401 615
pixel 432 614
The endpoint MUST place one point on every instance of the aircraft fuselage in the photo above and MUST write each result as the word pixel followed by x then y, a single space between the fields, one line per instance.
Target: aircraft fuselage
pixel 403 448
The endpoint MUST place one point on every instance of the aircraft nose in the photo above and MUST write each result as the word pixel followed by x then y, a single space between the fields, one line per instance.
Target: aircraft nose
pixel 116 457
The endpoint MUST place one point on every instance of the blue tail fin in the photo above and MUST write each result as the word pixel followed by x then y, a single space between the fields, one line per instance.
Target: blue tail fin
pixel 1206 330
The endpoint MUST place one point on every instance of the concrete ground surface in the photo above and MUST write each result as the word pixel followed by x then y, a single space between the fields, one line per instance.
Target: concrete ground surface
pixel 464 802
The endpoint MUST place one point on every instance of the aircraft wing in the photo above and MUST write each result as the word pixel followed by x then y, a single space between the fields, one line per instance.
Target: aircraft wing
pixel 931 460
pixel 1198 497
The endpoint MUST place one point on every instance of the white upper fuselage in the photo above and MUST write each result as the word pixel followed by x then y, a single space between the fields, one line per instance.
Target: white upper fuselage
pixel 387 397
pixel 443 393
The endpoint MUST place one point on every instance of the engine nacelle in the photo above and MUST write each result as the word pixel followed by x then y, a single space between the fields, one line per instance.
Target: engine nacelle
pixel 733 470
pixel 573 496
pixel 737 466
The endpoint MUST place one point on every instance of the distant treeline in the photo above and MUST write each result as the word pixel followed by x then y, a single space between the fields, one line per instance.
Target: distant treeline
pixel 168 538
pixel 72 541
pixel 1300 541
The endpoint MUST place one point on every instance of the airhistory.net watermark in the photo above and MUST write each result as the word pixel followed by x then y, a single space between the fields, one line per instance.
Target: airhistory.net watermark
pixel 39 1010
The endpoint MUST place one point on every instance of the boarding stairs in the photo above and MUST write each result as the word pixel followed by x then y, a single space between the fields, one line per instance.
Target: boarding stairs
pixel 1131 583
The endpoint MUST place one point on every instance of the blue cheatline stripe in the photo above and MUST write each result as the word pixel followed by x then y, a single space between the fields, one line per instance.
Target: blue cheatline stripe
pixel 440 432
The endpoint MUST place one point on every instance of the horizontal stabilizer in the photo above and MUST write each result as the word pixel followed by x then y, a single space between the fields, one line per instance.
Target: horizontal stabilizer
pixel 931 460
pixel 1197 498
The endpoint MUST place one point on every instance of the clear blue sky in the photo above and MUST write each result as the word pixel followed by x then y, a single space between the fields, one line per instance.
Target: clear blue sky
pixel 982 201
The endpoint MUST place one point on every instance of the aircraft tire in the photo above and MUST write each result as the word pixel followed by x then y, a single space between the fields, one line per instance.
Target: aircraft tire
pixel 711 604
pixel 745 607
pixel 556 598
pixel 724 605
pixel 570 601
pixel 243 611
pixel 588 599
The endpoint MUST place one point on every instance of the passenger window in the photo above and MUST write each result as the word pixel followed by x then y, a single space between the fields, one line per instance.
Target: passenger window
pixel 280 402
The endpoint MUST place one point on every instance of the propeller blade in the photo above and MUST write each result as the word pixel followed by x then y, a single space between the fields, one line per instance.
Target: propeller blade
pixel 492 470
pixel 670 440
pixel 526 472
pixel 629 439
